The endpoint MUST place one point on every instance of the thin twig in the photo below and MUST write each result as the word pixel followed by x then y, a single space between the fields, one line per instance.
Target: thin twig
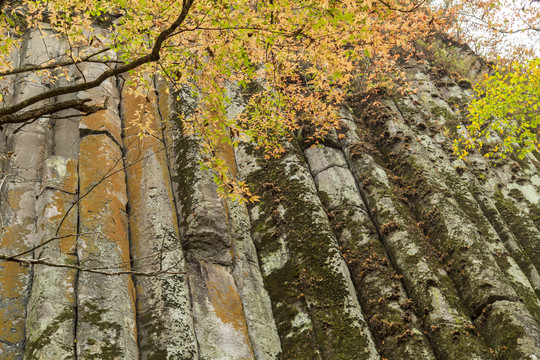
pixel 89 270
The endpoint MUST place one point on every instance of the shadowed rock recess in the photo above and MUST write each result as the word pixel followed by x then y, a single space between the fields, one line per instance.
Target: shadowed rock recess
pixel 377 245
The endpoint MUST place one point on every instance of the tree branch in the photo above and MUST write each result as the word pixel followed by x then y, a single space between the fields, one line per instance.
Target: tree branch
pixel 89 270
pixel 402 10
pixel 29 68
pixel 78 104
pixel 153 56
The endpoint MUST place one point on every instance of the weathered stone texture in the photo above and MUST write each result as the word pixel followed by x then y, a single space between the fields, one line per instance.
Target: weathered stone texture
pixel 302 252
pixel 218 313
pixel 106 304
pixel 380 291
pixel 379 244
pixel 164 317
pixel 50 322
pixel 27 149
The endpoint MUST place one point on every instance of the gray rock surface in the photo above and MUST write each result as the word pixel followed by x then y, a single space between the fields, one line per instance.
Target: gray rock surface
pixel 378 244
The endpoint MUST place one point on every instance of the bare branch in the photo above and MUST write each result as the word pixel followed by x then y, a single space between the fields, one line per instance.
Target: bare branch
pixel 412 9
pixel 30 68
pixel 89 270
pixel 108 174
pixel 153 56
pixel 31 250
pixel 502 31
pixel 78 104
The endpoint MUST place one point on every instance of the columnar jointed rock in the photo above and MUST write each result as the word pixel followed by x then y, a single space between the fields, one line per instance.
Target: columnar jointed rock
pixel 379 245
pixel 51 312
pixel 232 315
pixel 106 326
pixel 27 149
pixel 388 309
pixel 164 318
pixel 313 298
pixel 425 279
pixel 477 261
pixel 50 322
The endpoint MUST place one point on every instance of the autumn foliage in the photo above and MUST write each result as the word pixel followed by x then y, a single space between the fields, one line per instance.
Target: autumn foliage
pixel 303 55
pixel 295 61
pixel 504 113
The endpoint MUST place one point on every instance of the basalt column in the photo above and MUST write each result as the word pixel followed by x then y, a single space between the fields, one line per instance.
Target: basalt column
pixel 313 299
pixel 164 317
pixel 106 325
pixel 26 148
pixel 490 283
pixel 51 312
pixel 218 313
pixel 389 311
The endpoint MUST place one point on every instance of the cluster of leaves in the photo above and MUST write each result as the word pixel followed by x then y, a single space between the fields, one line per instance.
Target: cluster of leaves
pixel 505 113
pixel 499 30
pixel 303 53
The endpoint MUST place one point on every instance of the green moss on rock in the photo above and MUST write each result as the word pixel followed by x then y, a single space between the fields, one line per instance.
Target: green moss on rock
pixel 309 279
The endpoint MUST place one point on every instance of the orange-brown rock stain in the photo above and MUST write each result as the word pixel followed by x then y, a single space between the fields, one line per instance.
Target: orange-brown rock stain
pixel 140 113
pixel 103 217
pixel 224 297
pixel 138 110
pixel 103 121
pixel 140 148
pixel 14 198
pixel 103 193
pixel 65 229
pixel 14 277
pixel 134 171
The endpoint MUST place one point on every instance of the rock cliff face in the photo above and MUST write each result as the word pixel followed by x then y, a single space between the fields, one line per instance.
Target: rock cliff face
pixel 381 244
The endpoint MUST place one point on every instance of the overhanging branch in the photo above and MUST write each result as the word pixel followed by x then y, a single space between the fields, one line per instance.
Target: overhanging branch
pixel 78 104
pixel 8 114
pixel 30 68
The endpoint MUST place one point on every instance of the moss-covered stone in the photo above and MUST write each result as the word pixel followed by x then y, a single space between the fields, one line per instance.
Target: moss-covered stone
pixel 521 226
pixel 109 348
pixel 394 325
pixel 34 346
pixel 312 281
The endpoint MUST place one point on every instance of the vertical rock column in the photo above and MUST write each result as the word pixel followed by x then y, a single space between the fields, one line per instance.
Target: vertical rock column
pixel 51 311
pixel 518 200
pixel 484 279
pixel 488 185
pixel 231 306
pixel 164 317
pixel 389 311
pixel 425 279
pixel 18 206
pixel 106 327
pixel 247 272
pixel 315 306
pixel 475 199
pixel 516 307
pixel 50 323
pixel 219 319
pixel 8 346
